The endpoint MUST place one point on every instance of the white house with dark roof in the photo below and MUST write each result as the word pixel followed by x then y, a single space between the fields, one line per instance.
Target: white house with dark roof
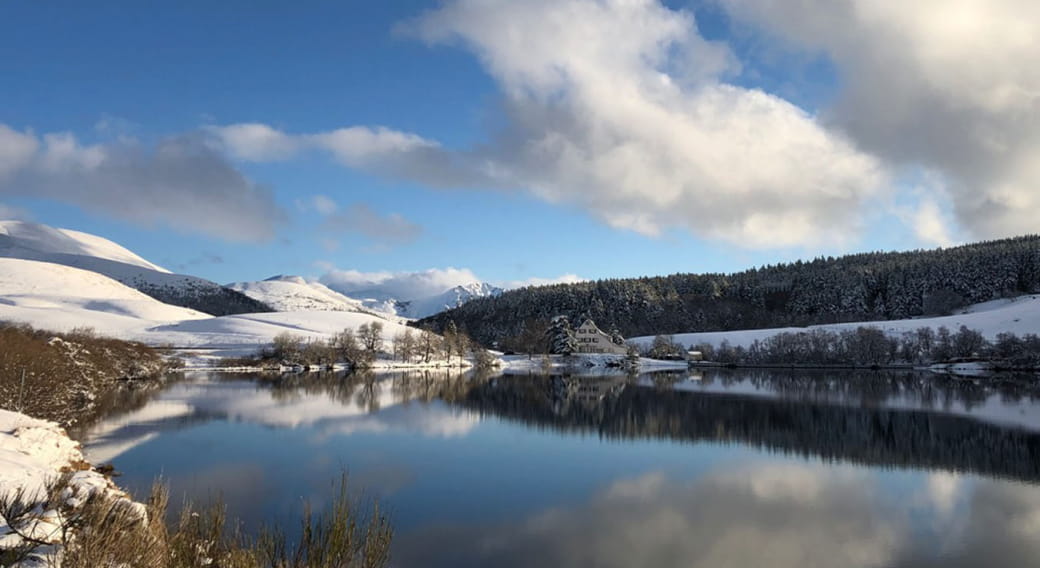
pixel 592 340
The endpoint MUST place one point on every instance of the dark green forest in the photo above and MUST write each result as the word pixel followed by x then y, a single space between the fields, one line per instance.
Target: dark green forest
pixel 859 287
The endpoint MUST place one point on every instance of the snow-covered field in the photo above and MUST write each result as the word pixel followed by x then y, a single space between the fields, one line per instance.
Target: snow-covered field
pixel 1016 315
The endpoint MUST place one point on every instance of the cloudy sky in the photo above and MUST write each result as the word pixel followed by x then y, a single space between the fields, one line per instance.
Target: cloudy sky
pixel 519 141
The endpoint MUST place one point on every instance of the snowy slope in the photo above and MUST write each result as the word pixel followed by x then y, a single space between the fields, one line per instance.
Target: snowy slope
pixel 56 297
pixel 253 330
pixel 1016 315
pixel 294 293
pixel 31 241
pixel 60 298
pixel 18 238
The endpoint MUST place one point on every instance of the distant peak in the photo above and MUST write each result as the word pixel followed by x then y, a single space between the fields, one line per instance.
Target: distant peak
pixel 287 278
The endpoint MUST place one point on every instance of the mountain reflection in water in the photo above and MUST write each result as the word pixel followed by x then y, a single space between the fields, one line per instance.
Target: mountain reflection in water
pixel 721 468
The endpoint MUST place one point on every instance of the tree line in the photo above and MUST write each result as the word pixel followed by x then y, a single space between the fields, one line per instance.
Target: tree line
pixel 870 346
pixel 361 347
pixel 860 287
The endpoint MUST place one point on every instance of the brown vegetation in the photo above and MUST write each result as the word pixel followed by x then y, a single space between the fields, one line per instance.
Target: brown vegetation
pixel 109 530
pixel 61 376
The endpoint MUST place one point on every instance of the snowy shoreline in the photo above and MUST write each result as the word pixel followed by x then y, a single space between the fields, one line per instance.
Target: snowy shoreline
pixel 34 455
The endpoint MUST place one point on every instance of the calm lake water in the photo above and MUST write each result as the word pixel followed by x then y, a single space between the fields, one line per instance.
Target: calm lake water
pixel 721 468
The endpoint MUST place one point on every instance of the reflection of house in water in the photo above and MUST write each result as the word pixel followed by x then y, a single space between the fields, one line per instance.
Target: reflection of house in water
pixel 593 340
pixel 590 391
pixel 798 423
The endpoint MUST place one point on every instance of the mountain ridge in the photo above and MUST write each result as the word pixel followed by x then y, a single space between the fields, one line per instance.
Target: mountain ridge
pixel 33 241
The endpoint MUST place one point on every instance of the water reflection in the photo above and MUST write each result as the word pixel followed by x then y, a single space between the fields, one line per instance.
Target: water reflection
pixel 760 514
pixel 720 468
pixel 326 403
pixel 806 420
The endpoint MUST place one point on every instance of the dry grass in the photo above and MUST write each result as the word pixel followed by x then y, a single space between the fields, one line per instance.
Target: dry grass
pixel 106 530
pixel 61 376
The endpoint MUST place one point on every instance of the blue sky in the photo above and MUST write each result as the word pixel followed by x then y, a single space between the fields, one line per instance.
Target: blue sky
pixel 515 140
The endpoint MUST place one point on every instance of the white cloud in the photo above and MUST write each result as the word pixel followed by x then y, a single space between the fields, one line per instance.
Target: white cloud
pixel 622 108
pixel 360 146
pixel 418 284
pixel 390 229
pixel 321 204
pixel 324 204
pixel 930 224
pixel 402 285
pixel 181 182
pixel 948 84
pixel 16 150
pixel 377 149
pixel 256 142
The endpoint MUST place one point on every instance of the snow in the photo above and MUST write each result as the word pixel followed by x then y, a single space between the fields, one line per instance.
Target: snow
pixel 1019 315
pixel 33 452
pixel 592 362
pixel 31 241
pixel 59 298
pixel 295 294
pixel 390 300
pixel 31 237
pixel 451 298
pixel 56 297
pixel 255 329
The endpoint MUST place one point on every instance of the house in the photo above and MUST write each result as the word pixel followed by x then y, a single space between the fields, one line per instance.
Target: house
pixel 592 340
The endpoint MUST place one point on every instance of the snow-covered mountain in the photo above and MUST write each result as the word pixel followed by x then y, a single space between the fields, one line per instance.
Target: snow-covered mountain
pixel 21 239
pixel 53 296
pixel 390 301
pixel 33 241
pixel 295 293
pixel 451 298
pixel 60 298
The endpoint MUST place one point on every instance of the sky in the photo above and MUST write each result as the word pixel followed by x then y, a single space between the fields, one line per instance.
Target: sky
pixel 519 141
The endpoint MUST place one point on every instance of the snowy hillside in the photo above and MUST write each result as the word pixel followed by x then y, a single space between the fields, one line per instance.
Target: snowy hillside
pixel 253 330
pixel 21 239
pixel 31 241
pixel 295 293
pixel 60 298
pixel 52 296
pixel 1016 315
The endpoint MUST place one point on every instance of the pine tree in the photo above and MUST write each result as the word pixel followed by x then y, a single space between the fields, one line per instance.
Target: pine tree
pixel 561 337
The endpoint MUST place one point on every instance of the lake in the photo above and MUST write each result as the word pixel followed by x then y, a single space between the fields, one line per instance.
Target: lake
pixel 713 468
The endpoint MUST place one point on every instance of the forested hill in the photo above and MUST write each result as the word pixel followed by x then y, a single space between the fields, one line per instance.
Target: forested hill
pixel 859 287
